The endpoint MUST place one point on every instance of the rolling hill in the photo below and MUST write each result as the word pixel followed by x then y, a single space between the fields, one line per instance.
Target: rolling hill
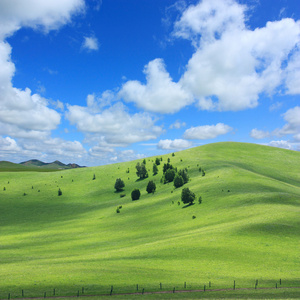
pixel 245 229
pixel 35 165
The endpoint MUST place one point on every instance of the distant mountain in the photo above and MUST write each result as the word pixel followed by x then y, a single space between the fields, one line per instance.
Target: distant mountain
pixel 54 165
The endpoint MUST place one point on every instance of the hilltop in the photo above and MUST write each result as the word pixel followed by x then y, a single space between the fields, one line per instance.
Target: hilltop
pixel 246 228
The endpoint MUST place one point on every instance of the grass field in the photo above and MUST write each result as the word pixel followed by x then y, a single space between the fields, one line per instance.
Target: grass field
pixel 246 229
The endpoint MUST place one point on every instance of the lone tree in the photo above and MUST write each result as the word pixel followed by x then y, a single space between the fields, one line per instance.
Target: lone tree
pixel 151 187
pixel 178 181
pixel 119 185
pixel 141 170
pixel 59 192
pixel 155 169
pixel 135 194
pixel 187 196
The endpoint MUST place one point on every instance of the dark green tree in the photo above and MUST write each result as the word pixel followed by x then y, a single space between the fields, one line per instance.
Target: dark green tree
pixel 119 185
pixel 183 173
pixel 141 170
pixel 59 192
pixel 187 196
pixel 200 200
pixel 157 161
pixel 135 194
pixel 170 175
pixel 94 177
pixel 178 181
pixel 151 187
pixel 167 167
pixel 144 161
pixel 155 169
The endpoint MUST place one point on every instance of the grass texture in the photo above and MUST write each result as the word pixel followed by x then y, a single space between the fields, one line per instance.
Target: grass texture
pixel 246 229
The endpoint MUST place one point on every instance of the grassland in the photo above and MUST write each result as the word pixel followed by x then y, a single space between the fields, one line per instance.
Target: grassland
pixel 246 229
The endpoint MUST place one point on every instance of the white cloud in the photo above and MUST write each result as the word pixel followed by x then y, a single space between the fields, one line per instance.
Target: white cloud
pixel 210 19
pixel 44 15
pixel 177 125
pixel 281 144
pixel 8 144
pixel 160 94
pixel 22 113
pixel 90 43
pixel 173 144
pixel 115 124
pixel 206 132
pixel 292 117
pixel 259 134
pixel 233 65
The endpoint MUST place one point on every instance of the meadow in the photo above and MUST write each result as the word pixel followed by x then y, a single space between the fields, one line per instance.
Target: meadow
pixel 245 233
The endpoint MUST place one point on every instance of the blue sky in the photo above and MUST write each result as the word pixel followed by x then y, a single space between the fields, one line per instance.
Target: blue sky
pixel 97 82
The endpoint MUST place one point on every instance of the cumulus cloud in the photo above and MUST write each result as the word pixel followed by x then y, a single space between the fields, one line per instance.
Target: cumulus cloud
pixel 209 18
pixel 281 144
pixel 114 123
pixel 259 134
pixel 173 144
pixel 292 117
pixel 8 144
pixel 44 15
pixel 160 94
pixel 21 110
pixel 177 125
pixel 206 132
pixel 90 43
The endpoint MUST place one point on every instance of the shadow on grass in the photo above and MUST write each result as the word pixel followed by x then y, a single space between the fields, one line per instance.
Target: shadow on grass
pixel 188 205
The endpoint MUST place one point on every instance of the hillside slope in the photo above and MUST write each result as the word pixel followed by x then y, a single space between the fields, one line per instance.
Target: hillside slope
pixel 246 228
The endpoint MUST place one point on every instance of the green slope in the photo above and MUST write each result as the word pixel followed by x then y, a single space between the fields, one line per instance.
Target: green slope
pixel 247 227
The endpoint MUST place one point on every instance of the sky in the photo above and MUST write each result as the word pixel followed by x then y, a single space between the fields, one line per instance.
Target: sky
pixel 96 82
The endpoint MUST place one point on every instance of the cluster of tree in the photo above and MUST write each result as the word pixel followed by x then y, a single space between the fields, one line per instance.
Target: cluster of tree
pixel 171 174
pixel 141 170
pixel 188 197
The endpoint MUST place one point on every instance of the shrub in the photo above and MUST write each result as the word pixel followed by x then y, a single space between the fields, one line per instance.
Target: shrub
pixel 178 181
pixel 187 196
pixel 151 187
pixel 173 154
pixel 59 192
pixel 94 177
pixel 119 185
pixel 193 217
pixel 118 210
pixel 4 189
pixel 200 200
pixel 135 194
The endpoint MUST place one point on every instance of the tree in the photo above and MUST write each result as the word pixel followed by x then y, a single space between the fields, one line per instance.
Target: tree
pixel 170 175
pixel 178 181
pixel 94 177
pixel 157 161
pixel 155 169
pixel 151 187
pixel 59 192
pixel 135 194
pixel 187 196
pixel 167 167
pixel 119 185
pixel 183 173
pixel 141 170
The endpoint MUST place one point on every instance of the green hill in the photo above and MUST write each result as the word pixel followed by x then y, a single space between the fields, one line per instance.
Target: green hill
pixel 245 229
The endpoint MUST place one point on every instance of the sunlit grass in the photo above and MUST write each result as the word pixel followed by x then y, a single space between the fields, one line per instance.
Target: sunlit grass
pixel 246 229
